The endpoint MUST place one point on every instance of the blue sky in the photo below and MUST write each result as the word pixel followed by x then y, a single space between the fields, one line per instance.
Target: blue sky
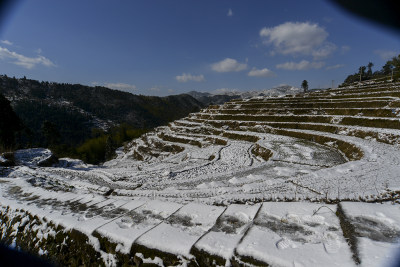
pixel 170 47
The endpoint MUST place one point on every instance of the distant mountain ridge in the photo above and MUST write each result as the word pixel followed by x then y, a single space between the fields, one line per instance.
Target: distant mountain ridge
pixel 224 96
pixel 76 109
pixel 211 99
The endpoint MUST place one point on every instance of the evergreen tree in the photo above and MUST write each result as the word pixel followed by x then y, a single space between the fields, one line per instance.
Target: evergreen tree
pixel 395 62
pixel 387 68
pixel 361 71
pixel 304 85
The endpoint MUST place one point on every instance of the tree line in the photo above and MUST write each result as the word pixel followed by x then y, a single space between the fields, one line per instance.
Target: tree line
pixel 389 71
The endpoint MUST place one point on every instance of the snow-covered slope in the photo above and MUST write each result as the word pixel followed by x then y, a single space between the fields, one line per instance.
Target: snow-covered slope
pixel 221 96
pixel 203 189
pixel 279 91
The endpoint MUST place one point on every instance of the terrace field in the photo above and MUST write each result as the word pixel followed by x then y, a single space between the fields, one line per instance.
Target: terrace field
pixel 309 179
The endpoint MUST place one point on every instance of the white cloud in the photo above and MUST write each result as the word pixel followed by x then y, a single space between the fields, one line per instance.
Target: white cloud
pixel 230 13
pixel 121 86
pixel 261 73
pixel 23 61
pixel 344 49
pixel 6 42
pixel 228 65
pixel 337 66
pixel 293 38
pixel 302 65
pixel 324 51
pixel 386 54
pixel 186 77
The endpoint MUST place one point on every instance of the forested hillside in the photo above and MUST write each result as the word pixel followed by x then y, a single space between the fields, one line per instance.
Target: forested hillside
pixel 60 114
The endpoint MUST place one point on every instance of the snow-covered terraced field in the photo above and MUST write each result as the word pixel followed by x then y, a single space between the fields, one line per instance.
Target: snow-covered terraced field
pixel 209 189
pixel 116 231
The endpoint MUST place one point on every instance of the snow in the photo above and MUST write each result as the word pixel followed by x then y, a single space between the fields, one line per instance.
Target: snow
pixel 156 261
pixel 377 228
pixel 174 200
pixel 31 157
pixel 126 229
pixel 377 254
pixel 170 227
pixel 222 239
pixel 182 229
pixel 287 234
pixel 278 91
pixel 236 173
